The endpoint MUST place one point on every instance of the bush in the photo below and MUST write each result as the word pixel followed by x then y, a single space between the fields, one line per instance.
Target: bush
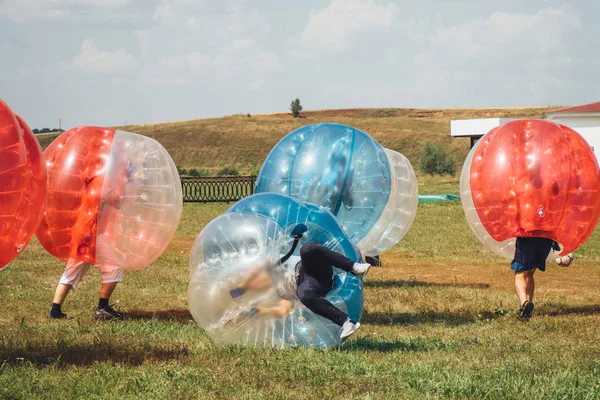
pixel 228 172
pixel 295 108
pixel 435 160
pixel 182 171
pixel 195 173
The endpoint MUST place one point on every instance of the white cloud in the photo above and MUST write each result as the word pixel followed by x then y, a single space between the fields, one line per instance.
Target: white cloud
pixel 242 44
pixel 162 12
pixel 264 62
pixel 255 84
pixel 143 37
pixel 500 31
pixel 495 56
pixel 192 22
pixel 331 28
pixel 93 60
pixel 27 10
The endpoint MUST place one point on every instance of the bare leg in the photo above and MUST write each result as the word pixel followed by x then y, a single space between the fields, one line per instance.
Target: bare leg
pixel 530 285
pixel 281 310
pixel 61 293
pixel 524 285
pixel 107 289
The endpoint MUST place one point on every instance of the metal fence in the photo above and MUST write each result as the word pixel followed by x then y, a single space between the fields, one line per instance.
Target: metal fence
pixel 210 189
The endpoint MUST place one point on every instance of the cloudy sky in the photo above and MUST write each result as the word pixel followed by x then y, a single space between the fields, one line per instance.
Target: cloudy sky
pixel 107 62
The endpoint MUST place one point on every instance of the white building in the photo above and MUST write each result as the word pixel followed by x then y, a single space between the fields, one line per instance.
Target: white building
pixel 475 128
pixel 584 119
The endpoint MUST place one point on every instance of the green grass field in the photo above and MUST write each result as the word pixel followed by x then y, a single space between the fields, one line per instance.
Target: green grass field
pixel 439 322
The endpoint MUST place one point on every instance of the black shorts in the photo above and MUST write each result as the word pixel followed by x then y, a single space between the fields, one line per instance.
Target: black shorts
pixel 531 253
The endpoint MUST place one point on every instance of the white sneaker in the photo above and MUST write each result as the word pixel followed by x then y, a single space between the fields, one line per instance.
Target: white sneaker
pixel 349 328
pixel 360 269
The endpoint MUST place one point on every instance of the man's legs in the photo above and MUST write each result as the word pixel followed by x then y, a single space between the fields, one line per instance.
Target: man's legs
pixel 317 280
pixel 74 271
pixel 318 260
pixel 111 275
pixel 61 293
pixel 525 286
pixel 107 289
pixel 311 294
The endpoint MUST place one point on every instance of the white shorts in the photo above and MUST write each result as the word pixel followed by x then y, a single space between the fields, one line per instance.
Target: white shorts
pixel 76 269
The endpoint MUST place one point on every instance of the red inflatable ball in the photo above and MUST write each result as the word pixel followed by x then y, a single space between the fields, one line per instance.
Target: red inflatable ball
pixel 532 178
pixel 114 198
pixel 23 184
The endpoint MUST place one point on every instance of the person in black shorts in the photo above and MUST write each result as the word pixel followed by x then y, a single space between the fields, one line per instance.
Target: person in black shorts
pixel 530 254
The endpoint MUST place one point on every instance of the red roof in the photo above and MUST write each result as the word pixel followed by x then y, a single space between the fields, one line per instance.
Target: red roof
pixel 592 107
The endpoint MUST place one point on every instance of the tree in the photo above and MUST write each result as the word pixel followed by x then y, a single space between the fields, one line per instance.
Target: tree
pixel 295 108
pixel 435 160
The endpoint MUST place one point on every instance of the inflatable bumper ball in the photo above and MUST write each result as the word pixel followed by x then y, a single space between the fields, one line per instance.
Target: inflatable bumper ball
pixel 240 262
pixel 114 198
pixel 400 213
pixel 531 178
pixel 23 185
pixel 339 168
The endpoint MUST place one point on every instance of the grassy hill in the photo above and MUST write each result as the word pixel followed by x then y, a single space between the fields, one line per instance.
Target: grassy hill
pixel 243 143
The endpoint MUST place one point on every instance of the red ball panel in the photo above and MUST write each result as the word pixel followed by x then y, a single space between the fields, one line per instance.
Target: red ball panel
pixel 536 178
pixel 76 163
pixel 23 184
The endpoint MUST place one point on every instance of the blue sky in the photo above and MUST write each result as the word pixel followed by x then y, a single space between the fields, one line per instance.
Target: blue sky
pixel 107 62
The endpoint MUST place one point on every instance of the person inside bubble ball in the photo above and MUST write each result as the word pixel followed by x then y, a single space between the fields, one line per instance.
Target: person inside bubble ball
pixel 314 279
pixel 111 274
pixel 530 254
pixel 335 182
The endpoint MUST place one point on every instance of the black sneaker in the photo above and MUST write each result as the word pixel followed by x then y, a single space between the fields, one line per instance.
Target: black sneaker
pixel 59 315
pixel 526 311
pixel 107 313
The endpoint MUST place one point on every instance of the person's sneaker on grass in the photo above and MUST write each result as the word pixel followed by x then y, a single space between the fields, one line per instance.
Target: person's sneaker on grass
pixel 107 313
pixel 59 315
pixel 526 311
pixel 55 312
pixel 349 328
pixel 360 268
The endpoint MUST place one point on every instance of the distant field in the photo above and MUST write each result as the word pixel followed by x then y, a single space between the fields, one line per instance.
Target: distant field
pixel 439 322
pixel 243 143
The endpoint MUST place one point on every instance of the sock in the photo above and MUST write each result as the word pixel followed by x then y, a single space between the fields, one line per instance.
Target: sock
pixel 55 309
pixel 103 303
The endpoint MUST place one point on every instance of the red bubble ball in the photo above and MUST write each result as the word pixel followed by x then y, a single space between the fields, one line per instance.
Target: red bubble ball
pixel 114 198
pixel 68 229
pixel 23 184
pixel 536 178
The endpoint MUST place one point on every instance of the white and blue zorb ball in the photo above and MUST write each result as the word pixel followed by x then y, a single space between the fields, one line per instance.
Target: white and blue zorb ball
pixel 245 245
pixel 345 171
